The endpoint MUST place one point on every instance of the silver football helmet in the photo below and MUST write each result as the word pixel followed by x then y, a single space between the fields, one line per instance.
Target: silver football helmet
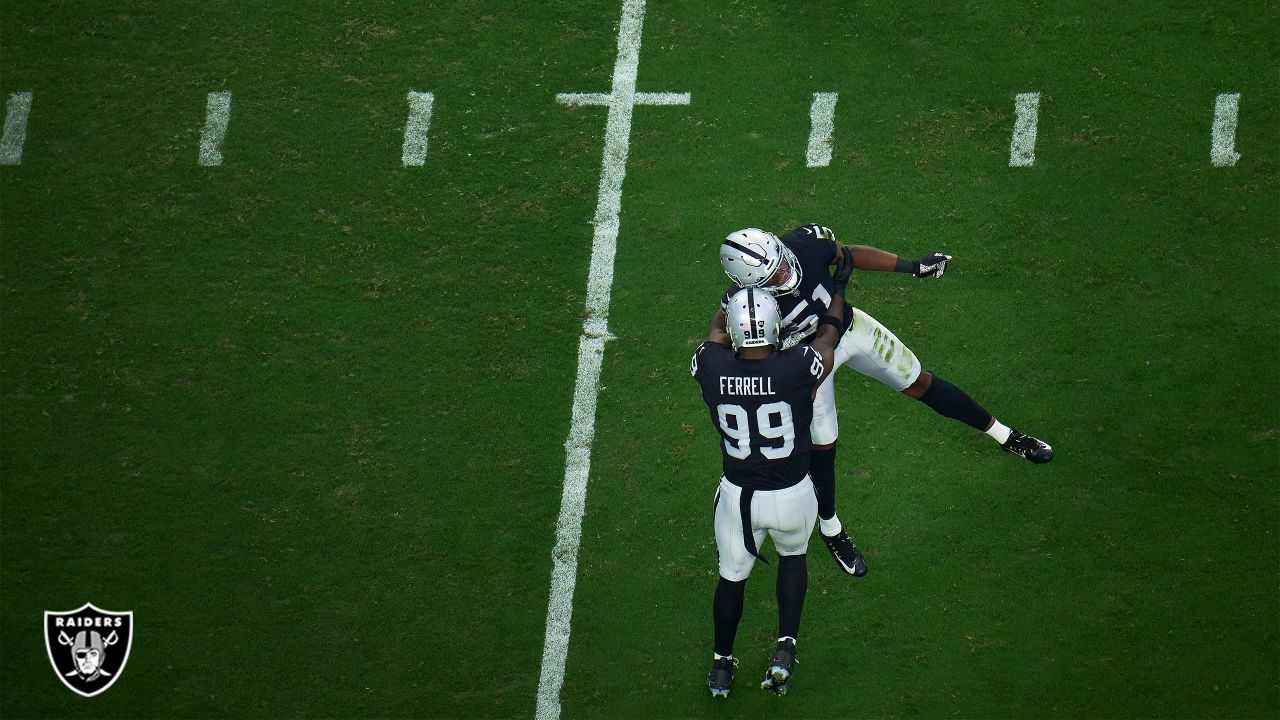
pixel 753 319
pixel 753 258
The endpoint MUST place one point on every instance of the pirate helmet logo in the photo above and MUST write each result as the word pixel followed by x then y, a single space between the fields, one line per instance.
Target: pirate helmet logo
pixel 88 647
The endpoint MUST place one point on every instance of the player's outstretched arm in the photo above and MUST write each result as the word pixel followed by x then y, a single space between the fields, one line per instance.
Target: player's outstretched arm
pixel 865 257
pixel 717 332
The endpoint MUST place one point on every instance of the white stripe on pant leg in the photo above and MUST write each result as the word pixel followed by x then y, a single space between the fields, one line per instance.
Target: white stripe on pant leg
pixel 15 128
pixel 414 153
pixel 1022 149
pixel 1222 150
pixel 217 115
pixel 821 125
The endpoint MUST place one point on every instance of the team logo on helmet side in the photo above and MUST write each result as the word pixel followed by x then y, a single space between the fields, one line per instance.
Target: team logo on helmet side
pixel 88 647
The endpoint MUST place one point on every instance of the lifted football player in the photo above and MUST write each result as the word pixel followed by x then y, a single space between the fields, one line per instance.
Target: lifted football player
pixel 794 269
pixel 761 402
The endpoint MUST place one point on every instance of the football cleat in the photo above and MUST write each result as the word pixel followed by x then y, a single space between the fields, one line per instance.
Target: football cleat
pixel 1037 451
pixel 720 679
pixel 777 677
pixel 847 555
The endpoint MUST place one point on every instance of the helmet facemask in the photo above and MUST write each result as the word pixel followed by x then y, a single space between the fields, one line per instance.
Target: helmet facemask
pixel 788 273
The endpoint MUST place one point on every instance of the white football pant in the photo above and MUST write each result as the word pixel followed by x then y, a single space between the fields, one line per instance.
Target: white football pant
pixel 871 349
pixel 786 515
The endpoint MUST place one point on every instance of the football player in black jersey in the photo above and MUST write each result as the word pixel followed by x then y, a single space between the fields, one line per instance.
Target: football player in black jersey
pixel 794 269
pixel 761 401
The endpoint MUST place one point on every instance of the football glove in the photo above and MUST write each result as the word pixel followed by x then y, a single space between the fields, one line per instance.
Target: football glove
pixel 933 264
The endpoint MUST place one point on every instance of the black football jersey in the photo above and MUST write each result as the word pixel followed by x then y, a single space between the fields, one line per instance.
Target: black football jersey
pixel 814 249
pixel 762 410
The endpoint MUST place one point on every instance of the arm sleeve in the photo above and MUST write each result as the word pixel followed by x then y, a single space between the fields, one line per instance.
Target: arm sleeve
pixel 706 359
pixel 811 367
pixel 693 363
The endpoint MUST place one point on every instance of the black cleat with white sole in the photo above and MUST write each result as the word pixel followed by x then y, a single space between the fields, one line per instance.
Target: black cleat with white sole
pixel 1025 446
pixel 847 555
pixel 777 677
pixel 720 679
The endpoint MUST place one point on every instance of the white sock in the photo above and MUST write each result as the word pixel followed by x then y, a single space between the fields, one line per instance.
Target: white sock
pixel 718 656
pixel 999 431
pixel 830 527
pixel 787 637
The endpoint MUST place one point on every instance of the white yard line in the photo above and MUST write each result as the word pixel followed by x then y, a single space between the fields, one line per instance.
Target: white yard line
pixel 1222 150
pixel 595 332
pixel 415 129
pixel 217 115
pixel 15 128
pixel 821 124
pixel 1022 149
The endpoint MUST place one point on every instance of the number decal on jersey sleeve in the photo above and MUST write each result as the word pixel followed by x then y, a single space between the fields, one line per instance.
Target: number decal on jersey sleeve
pixel 735 422
pixel 693 364
pixel 816 367
pixel 821 231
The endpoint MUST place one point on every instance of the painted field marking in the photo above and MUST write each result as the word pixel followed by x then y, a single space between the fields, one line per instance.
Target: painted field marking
pixel 821 123
pixel 15 128
pixel 414 153
pixel 217 115
pixel 1222 150
pixel 595 332
pixel 1022 149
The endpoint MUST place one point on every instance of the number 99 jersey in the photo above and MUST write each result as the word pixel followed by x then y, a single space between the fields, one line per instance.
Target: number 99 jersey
pixel 762 410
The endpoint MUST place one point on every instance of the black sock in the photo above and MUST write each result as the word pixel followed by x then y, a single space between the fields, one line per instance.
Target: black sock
pixel 793 580
pixel 950 401
pixel 726 611
pixel 822 468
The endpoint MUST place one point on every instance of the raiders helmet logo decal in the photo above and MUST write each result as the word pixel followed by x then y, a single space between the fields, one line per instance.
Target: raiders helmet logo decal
pixel 88 646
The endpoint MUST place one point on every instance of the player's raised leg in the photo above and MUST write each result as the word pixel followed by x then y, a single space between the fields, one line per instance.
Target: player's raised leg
pixel 873 350
pixel 950 401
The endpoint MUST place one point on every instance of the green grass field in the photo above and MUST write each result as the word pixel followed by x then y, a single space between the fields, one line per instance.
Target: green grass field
pixel 305 413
